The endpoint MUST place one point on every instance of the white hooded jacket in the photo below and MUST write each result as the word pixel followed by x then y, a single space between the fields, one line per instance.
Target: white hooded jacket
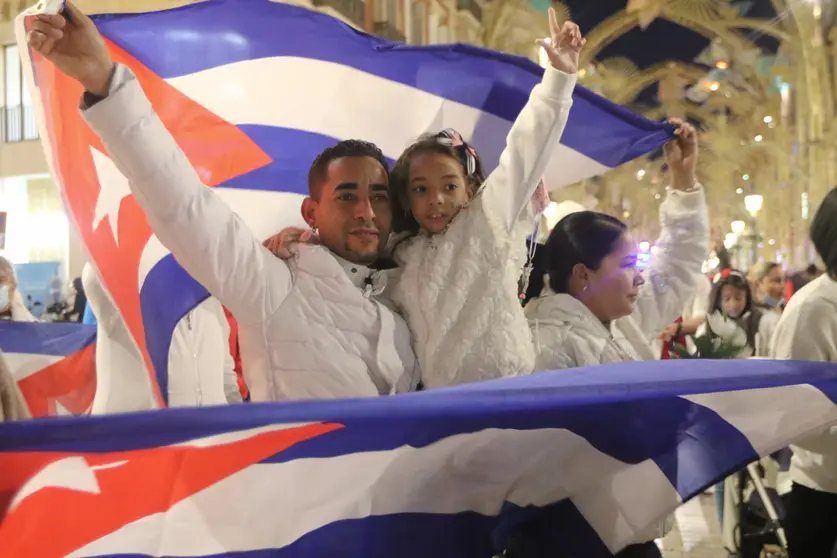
pixel 457 289
pixel 307 327
pixel 566 334
pixel 807 330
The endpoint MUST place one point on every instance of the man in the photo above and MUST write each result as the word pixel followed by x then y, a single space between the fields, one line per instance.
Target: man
pixel 312 327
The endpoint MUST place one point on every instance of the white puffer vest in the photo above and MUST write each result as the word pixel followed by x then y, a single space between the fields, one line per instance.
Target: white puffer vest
pixel 328 337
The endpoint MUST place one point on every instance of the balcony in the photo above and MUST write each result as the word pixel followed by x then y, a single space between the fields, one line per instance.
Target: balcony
pixel 388 31
pixel 471 7
pixel 19 124
pixel 353 10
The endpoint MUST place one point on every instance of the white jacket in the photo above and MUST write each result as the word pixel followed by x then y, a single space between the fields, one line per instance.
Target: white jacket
pixel 306 328
pixel 457 289
pixel 200 367
pixel 566 334
pixel 807 330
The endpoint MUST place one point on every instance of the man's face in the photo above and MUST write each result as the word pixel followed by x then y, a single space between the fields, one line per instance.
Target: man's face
pixel 353 215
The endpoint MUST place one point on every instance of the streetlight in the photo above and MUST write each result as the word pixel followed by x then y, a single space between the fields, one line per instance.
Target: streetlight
pixel 753 204
pixel 729 240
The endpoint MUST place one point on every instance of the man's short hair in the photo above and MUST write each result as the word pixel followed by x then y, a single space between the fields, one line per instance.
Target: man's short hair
pixel 346 148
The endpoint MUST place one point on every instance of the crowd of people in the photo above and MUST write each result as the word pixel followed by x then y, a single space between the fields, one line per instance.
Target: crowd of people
pixel 409 278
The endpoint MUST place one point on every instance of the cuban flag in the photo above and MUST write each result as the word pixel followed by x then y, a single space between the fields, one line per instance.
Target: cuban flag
pixel 252 90
pixel 54 365
pixel 598 455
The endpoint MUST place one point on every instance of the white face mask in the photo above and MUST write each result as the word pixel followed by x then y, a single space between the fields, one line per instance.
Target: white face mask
pixel 4 296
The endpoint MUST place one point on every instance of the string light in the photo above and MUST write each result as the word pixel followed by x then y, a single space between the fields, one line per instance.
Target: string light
pixel 768 119
pixel 640 174
pixel 758 138
pixel 739 191
pixel 714 86
pixel 746 177
pixel 721 65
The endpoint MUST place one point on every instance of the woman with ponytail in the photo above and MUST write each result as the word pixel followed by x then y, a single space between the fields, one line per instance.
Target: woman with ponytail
pixel 587 302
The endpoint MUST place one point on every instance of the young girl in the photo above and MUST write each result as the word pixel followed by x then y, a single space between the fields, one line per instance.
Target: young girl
pixel 732 297
pixel 462 236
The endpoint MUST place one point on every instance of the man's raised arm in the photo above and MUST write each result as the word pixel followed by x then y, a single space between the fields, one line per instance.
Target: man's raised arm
pixel 202 232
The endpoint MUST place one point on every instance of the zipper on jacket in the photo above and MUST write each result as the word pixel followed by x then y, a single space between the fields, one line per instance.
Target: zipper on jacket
pixel 198 386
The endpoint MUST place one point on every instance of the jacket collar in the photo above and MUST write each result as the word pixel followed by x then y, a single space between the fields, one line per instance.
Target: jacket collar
pixel 357 273
pixel 565 309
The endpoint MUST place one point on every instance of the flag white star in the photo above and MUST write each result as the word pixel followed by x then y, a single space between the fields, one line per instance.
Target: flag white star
pixel 114 189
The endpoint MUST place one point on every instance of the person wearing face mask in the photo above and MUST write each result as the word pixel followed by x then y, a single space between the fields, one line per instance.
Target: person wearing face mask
pixel 11 303
pixel 588 304
pixel 768 281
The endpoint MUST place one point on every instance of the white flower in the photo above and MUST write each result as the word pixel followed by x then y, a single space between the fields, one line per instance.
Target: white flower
pixel 727 329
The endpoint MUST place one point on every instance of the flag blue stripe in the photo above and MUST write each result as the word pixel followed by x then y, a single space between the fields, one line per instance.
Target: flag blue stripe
pixel 292 152
pixel 499 84
pixel 169 282
pixel 422 535
pixel 462 535
pixel 536 401
pixel 54 339
pixel 687 441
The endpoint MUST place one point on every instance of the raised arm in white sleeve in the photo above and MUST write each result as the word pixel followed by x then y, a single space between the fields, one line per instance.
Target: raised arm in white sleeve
pixel 532 140
pixel 681 249
pixel 210 241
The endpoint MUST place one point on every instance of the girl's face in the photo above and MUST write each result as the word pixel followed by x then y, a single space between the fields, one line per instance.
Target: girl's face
pixel 611 291
pixel 733 301
pixel 437 189
pixel 773 284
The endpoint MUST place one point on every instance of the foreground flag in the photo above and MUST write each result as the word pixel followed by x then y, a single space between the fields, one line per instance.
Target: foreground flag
pixel 54 365
pixel 606 451
pixel 252 90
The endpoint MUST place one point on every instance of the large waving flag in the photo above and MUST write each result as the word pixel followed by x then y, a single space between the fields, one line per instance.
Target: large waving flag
pixel 603 452
pixel 54 365
pixel 252 90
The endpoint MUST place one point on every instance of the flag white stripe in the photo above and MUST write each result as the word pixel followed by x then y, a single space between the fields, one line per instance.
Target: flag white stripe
pixel 279 503
pixel 765 415
pixel 23 365
pixel 390 114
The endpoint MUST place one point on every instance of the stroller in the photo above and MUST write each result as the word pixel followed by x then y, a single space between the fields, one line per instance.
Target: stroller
pixel 754 506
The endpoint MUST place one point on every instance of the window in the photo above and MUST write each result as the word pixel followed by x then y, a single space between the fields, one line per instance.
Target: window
pixel 18 114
